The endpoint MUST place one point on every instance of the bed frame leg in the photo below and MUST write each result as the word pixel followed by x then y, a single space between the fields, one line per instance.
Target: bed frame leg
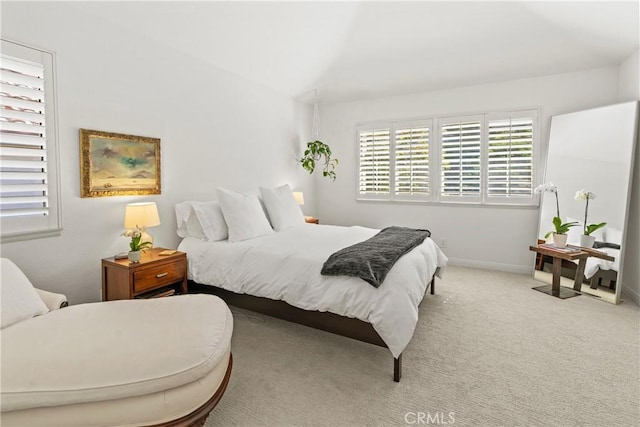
pixel 433 285
pixel 397 368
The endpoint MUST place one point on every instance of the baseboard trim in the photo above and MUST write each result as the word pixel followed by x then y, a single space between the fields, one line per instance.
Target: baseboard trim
pixel 510 268
pixel 630 293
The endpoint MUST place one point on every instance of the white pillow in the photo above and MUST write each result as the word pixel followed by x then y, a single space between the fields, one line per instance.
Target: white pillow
pixel 20 300
pixel 282 207
pixel 211 219
pixel 188 223
pixel 244 215
pixel 599 234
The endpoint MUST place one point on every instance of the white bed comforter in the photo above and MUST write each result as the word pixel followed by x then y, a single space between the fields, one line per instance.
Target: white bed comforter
pixel 286 266
pixel 594 264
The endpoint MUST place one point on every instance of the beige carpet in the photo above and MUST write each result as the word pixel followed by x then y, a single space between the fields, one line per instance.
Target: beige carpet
pixel 488 351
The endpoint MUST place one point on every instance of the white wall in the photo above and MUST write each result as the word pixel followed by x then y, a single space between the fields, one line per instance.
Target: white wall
pixel 628 90
pixel 216 129
pixel 491 237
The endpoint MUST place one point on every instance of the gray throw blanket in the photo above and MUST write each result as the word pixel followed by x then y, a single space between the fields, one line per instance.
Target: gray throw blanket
pixel 372 259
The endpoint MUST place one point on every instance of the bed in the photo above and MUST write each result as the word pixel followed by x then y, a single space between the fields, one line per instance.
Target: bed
pixel 600 270
pixel 278 273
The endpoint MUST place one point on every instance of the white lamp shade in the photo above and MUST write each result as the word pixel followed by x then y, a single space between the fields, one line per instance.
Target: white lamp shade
pixel 141 215
pixel 299 197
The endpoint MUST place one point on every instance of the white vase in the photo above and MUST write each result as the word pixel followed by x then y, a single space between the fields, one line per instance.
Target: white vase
pixel 134 256
pixel 587 241
pixel 559 240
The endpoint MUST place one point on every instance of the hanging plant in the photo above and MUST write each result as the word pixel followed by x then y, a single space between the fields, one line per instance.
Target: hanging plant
pixel 318 151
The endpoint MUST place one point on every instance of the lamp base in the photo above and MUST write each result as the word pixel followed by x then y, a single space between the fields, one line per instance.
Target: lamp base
pixel 146 237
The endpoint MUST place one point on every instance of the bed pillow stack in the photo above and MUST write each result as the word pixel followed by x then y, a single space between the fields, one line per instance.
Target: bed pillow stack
pixel 202 220
pixel 282 207
pixel 212 220
pixel 239 217
pixel 244 215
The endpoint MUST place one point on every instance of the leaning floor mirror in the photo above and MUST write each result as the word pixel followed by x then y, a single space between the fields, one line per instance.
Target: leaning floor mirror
pixel 591 154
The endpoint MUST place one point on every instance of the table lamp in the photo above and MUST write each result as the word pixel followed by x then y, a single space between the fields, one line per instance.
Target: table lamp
pixel 142 215
pixel 299 196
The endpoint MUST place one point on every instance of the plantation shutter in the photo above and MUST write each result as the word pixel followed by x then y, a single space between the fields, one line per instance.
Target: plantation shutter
pixel 28 192
pixel 461 158
pixel 510 157
pixel 412 160
pixel 23 143
pixel 375 177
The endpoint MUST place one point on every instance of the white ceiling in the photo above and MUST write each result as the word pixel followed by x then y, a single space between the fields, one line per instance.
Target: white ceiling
pixel 354 50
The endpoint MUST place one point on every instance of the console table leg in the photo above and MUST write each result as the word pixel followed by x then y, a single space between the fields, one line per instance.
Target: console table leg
pixel 397 368
pixel 556 269
pixel 577 284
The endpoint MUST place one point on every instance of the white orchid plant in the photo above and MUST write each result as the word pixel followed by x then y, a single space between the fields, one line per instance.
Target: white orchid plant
pixel 560 227
pixel 135 244
pixel 586 196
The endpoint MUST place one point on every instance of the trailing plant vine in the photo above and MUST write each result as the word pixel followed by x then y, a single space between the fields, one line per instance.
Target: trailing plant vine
pixel 318 151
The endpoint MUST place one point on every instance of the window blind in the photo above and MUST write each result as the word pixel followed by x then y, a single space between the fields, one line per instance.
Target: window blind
pixel 412 160
pixel 375 177
pixel 510 158
pixel 23 142
pixel 460 159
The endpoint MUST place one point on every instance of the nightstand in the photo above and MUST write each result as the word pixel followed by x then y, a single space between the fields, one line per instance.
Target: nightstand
pixel 311 220
pixel 155 275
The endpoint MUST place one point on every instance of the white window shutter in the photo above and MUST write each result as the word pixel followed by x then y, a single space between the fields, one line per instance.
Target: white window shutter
pixel 485 158
pixel 28 184
pixel 374 170
pixel 461 142
pixel 23 140
pixel 412 144
pixel 510 158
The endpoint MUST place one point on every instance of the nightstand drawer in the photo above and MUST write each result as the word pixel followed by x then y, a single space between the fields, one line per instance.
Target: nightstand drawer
pixel 154 277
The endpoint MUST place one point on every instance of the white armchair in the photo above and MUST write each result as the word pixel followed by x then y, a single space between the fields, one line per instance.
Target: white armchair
pixel 52 300
pixel 20 300
pixel 160 362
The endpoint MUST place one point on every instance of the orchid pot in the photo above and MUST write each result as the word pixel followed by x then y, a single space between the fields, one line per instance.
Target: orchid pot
pixel 587 241
pixel 136 245
pixel 560 240
pixel 134 256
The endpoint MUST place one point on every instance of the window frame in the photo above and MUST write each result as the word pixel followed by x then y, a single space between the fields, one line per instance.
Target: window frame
pixel 20 228
pixel 435 160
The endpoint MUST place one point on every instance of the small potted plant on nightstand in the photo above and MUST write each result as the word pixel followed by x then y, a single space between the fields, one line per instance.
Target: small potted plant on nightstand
pixel 136 245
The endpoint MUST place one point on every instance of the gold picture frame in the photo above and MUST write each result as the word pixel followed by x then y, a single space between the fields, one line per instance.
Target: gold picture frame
pixel 115 164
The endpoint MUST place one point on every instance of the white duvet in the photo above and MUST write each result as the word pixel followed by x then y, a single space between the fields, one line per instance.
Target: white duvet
pixel 594 264
pixel 286 266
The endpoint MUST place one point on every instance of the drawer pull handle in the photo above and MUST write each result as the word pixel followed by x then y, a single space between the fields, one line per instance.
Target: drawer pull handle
pixel 161 275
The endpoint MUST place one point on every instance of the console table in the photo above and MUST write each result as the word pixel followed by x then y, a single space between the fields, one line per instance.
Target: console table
pixel 558 254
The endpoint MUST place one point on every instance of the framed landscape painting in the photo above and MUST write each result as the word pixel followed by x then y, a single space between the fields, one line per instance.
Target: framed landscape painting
pixel 113 164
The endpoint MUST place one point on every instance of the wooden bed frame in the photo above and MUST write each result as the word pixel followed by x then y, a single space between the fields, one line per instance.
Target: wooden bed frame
pixel 329 322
